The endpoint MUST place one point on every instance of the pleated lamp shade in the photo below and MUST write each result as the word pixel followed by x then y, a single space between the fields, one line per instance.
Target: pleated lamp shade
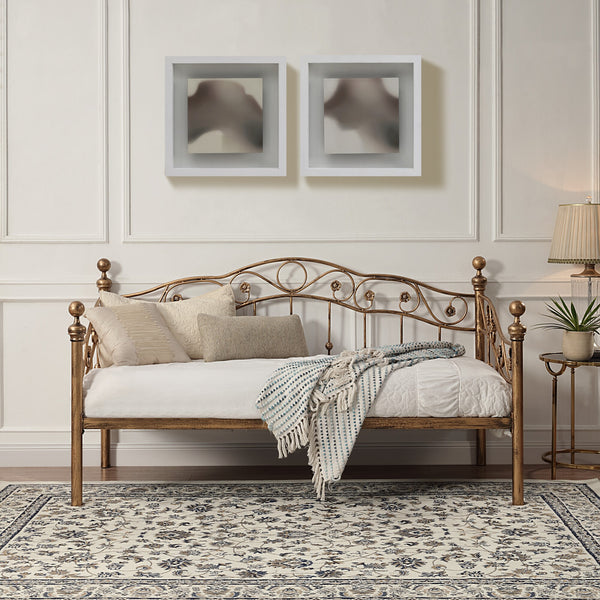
pixel 576 238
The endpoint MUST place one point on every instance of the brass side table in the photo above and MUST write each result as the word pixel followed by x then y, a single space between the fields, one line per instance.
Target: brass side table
pixel 556 364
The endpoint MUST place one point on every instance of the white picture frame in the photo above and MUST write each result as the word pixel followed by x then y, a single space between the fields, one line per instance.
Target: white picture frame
pixel 269 160
pixel 319 72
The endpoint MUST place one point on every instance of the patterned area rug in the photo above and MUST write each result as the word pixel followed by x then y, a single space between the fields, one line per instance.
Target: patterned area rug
pixel 272 540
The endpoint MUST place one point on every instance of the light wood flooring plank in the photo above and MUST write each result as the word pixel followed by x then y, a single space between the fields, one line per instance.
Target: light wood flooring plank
pixel 61 474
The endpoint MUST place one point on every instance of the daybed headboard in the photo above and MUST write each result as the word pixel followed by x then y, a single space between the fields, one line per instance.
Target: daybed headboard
pixel 294 280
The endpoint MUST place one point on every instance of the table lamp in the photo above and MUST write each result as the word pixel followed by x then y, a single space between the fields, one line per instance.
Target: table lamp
pixel 576 240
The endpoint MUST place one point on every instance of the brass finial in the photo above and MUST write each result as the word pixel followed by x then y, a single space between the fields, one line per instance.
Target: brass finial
pixel 517 308
pixel 517 329
pixel 76 309
pixel 104 283
pixel 76 330
pixel 479 281
pixel 479 263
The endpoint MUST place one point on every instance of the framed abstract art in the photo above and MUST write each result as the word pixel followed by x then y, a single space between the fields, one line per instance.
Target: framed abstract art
pixel 361 116
pixel 225 116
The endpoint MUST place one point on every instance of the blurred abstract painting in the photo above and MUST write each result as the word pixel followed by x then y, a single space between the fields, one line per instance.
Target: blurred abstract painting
pixel 361 115
pixel 225 116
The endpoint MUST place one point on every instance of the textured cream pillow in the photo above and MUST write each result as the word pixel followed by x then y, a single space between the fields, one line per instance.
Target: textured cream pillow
pixel 134 334
pixel 182 317
pixel 228 338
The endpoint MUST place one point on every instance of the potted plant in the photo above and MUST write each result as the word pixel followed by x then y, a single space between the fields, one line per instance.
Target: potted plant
pixel 578 336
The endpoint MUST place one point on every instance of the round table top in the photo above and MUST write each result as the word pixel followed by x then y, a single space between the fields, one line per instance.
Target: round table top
pixel 557 357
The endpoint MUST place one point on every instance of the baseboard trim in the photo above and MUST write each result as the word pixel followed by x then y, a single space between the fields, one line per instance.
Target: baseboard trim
pixel 257 454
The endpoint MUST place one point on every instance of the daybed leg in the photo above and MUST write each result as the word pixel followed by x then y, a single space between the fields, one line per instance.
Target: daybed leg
pixel 105 448
pixel 481 448
pixel 517 472
pixel 76 467
pixel 77 336
pixel 517 334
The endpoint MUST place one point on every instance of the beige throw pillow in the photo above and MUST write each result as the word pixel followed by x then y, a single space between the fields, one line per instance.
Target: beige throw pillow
pixel 228 338
pixel 134 334
pixel 182 317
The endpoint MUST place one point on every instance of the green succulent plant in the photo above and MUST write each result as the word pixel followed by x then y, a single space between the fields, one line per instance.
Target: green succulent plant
pixel 565 316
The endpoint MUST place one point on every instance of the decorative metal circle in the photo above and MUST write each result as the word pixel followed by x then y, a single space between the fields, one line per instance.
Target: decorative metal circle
pixel 450 310
pixel 287 287
pixel 370 296
pixel 245 287
pixel 176 298
pixel 405 297
pixel 336 285
pixel 328 345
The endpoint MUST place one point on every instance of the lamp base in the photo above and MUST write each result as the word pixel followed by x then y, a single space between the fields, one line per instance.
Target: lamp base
pixel 585 287
pixel 588 271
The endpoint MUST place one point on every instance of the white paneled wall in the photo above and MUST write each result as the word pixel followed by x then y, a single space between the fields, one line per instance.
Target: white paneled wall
pixel 56 103
pixel 511 128
pixel 545 68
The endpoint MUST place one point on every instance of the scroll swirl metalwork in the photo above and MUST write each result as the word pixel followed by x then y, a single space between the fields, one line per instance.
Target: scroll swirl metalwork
pixel 293 278
pixel 406 297
pixel 337 286
pixel 90 349
pixel 498 350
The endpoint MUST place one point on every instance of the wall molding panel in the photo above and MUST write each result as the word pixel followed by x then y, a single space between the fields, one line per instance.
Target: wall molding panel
pixel 497 151
pixel 471 226
pixel 474 146
pixel 498 212
pixel 596 100
pixel 101 235
pixel 126 116
pixel 3 116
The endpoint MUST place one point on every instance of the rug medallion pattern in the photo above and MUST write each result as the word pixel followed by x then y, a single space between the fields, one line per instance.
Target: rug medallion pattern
pixel 369 540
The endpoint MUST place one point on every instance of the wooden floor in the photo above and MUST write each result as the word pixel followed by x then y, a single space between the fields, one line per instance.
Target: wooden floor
pixel 59 474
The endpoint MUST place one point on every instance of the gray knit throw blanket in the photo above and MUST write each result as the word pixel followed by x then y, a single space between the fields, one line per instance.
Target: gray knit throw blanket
pixel 323 401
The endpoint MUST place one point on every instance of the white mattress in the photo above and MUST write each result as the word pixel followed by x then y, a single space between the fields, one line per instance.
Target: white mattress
pixel 459 387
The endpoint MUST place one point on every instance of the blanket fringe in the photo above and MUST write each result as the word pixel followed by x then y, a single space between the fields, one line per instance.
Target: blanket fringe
pixel 314 460
pixel 294 439
pixel 304 433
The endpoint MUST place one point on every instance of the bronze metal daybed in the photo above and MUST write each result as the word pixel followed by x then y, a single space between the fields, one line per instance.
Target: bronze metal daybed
pixel 369 297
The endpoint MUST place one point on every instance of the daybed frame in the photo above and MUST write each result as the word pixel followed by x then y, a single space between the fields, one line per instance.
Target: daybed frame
pixel 333 285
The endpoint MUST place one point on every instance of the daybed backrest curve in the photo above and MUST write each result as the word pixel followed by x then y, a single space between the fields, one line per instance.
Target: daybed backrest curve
pixel 295 281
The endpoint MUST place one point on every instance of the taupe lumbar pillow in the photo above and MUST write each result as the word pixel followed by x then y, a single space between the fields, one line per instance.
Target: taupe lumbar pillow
pixel 182 317
pixel 229 338
pixel 134 334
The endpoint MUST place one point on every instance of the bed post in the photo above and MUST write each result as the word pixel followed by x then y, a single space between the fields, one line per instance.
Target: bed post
pixel 77 336
pixel 104 283
pixel 517 334
pixel 479 282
